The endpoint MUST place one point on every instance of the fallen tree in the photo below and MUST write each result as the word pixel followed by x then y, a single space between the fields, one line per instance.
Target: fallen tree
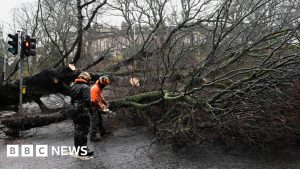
pixel 22 123
pixel 26 122
pixel 47 82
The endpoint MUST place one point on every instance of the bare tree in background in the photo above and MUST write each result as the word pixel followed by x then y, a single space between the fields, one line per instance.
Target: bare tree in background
pixel 59 27
pixel 235 66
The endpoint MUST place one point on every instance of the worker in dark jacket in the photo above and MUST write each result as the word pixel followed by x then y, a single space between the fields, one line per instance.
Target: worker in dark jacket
pixel 80 94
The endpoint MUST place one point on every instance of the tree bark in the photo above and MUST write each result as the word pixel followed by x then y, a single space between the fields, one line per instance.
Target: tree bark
pixel 47 82
pixel 28 122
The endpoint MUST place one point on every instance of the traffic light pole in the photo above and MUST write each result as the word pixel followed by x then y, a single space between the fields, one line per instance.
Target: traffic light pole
pixel 4 68
pixel 21 63
pixel 21 45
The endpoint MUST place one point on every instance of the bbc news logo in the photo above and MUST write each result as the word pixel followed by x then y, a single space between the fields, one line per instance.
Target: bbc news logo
pixel 43 150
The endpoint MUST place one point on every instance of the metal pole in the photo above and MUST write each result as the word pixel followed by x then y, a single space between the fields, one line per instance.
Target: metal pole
pixel 2 63
pixel 20 70
pixel 4 67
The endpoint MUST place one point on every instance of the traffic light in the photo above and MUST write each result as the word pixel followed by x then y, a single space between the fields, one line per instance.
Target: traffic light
pixel 28 46
pixel 13 43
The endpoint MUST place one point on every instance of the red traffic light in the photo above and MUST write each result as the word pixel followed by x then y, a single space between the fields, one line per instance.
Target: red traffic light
pixel 28 46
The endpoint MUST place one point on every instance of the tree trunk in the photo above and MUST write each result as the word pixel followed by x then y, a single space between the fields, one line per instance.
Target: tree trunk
pixel 28 122
pixel 19 123
pixel 47 82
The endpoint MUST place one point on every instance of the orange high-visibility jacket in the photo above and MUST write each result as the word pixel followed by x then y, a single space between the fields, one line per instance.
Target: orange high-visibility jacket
pixel 97 96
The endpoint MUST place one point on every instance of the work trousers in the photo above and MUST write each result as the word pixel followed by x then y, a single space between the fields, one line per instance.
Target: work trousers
pixel 96 121
pixel 82 127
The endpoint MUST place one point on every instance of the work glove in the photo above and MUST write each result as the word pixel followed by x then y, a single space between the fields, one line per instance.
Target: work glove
pixel 109 113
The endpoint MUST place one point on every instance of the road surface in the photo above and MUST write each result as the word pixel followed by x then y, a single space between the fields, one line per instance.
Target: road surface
pixel 132 148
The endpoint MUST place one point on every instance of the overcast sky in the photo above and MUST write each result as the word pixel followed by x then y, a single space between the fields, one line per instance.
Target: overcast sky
pixel 6 7
pixel 6 13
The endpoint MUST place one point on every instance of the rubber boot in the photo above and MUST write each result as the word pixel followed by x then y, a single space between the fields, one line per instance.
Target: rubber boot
pixel 89 153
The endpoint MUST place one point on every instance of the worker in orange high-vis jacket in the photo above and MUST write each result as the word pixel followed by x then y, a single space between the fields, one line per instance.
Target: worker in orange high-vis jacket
pixel 100 106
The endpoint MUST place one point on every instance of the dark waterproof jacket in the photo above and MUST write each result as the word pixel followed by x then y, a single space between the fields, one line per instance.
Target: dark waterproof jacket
pixel 80 95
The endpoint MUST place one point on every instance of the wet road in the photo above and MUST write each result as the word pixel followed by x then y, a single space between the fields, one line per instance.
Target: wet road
pixel 130 148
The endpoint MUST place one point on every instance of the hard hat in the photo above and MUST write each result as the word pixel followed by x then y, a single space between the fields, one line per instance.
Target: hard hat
pixel 104 80
pixel 84 75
